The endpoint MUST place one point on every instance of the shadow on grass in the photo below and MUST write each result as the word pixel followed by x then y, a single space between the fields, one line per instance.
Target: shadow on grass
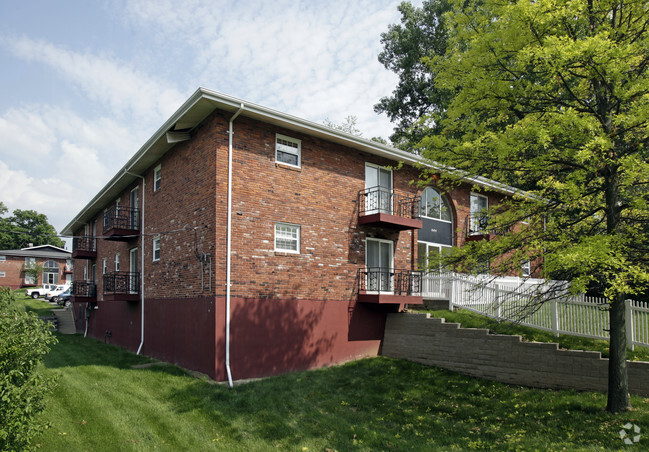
pixel 371 404
pixel 391 404
pixel 75 350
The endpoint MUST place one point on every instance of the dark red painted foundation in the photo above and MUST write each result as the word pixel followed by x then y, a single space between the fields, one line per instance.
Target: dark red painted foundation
pixel 268 336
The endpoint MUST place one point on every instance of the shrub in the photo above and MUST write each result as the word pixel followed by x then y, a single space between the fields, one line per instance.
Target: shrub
pixel 24 339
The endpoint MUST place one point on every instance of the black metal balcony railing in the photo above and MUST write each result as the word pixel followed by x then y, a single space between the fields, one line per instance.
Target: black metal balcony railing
pixel 84 289
pixel 383 200
pixel 478 225
pixel 86 243
pixel 389 280
pixel 122 283
pixel 121 218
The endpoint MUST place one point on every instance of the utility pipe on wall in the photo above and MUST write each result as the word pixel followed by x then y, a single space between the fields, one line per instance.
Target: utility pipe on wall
pixel 229 251
pixel 139 349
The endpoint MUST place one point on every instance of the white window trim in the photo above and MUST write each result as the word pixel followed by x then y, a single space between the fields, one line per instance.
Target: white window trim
pixel 471 213
pixel 289 150
pixel 3 258
pixel 157 177
pixel 429 244
pixel 298 239
pixel 117 262
pixel 526 269
pixel 391 242
pixel 104 268
pixel 444 198
pixel 2 274
pixel 478 195
pixel 156 247
pixel 390 267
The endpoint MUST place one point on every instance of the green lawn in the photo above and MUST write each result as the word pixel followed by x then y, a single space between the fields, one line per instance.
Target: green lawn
pixel 102 403
pixel 471 320
pixel 39 305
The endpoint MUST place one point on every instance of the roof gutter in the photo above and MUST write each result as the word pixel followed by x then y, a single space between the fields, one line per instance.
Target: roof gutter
pixel 228 256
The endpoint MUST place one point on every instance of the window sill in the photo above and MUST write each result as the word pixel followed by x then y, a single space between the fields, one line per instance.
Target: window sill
pixel 286 253
pixel 288 167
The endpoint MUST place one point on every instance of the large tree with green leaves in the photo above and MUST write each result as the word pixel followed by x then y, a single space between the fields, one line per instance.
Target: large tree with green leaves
pixel 420 34
pixel 25 227
pixel 553 95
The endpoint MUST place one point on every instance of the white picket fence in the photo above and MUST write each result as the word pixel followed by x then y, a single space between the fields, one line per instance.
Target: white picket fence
pixel 520 300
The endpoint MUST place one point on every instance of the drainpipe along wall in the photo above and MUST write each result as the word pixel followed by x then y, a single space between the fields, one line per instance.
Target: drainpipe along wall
pixel 229 251
pixel 139 349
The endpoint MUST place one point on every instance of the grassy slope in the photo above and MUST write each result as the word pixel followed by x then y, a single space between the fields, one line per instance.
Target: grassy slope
pixel 101 403
pixel 38 306
pixel 472 320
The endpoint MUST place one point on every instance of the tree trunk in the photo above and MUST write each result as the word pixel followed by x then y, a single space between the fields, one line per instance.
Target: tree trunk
pixel 618 384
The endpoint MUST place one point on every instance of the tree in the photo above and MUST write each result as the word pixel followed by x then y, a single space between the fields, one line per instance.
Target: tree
pixel 24 339
pixel 421 34
pixel 25 227
pixel 34 271
pixel 347 126
pixel 554 96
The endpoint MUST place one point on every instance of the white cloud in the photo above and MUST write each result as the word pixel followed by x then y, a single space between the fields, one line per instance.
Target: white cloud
pixel 25 129
pixel 311 59
pixel 81 156
pixel 129 92
pixel 54 196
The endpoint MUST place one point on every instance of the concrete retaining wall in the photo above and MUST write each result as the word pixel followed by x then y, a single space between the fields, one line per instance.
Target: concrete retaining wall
pixel 505 358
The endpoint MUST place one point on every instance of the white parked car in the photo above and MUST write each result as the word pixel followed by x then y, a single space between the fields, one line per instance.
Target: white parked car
pixel 55 291
pixel 36 292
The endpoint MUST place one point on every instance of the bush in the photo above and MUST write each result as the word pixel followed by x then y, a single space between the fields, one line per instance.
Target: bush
pixel 24 339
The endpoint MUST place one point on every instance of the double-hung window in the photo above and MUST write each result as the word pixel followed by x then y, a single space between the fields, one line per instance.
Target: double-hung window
pixel 30 263
pixel 287 237
pixel 157 178
pixel 288 150
pixel 156 249
pixel 117 262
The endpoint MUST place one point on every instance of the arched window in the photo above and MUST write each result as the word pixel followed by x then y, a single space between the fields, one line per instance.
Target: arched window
pixel 50 272
pixel 434 205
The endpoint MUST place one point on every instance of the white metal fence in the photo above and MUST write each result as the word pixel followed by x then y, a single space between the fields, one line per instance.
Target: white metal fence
pixel 519 300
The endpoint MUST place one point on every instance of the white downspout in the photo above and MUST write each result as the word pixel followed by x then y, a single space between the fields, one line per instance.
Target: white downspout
pixel 139 349
pixel 228 252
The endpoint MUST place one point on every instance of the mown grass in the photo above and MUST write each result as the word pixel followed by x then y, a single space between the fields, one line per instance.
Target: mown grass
pixel 102 403
pixel 472 320
pixel 39 306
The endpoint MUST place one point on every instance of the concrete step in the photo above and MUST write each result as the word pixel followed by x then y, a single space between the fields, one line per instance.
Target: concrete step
pixel 65 319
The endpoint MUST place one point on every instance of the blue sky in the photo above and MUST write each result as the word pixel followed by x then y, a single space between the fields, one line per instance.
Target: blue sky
pixel 85 83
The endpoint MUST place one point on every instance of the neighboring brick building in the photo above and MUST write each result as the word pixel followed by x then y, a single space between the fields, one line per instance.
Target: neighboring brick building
pixel 56 263
pixel 324 241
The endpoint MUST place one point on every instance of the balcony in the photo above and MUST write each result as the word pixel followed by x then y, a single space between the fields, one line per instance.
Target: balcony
pixel 84 291
pixel 84 247
pixel 477 228
pixel 380 206
pixel 121 223
pixel 122 286
pixel 389 286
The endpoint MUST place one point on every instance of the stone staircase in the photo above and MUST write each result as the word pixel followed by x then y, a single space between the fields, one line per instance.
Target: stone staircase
pixel 65 321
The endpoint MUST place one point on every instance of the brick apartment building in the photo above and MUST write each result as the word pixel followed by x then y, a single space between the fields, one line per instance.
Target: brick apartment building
pixel 324 239
pixel 55 262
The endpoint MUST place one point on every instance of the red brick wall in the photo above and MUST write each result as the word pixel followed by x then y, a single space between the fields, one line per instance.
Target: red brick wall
pixel 317 286
pixel 15 276
pixel 321 197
